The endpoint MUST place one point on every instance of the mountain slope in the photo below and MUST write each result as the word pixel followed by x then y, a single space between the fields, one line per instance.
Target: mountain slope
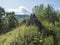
pixel 21 16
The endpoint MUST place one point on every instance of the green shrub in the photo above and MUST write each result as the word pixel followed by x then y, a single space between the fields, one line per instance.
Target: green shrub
pixel 26 35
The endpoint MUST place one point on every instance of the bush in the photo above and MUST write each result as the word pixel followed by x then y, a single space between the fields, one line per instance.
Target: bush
pixel 27 35
pixel 4 24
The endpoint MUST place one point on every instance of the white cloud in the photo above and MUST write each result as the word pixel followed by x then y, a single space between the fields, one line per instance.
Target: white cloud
pixel 20 10
pixel 57 9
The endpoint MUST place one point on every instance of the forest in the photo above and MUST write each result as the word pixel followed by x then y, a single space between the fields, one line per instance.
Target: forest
pixel 42 27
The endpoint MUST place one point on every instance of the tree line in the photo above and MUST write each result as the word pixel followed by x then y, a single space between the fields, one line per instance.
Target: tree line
pixel 8 20
pixel 47 13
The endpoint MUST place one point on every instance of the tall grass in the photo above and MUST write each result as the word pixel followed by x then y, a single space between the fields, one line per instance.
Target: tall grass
pixel 25 35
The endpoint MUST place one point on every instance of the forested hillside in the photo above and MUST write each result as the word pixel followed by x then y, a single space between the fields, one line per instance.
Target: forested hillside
pixel 42 27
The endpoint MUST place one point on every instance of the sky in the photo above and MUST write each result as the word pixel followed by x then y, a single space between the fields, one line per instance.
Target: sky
pixel 25 6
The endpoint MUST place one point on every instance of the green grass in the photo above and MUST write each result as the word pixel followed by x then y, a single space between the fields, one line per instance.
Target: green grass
pixel 17 35
pixel 25 35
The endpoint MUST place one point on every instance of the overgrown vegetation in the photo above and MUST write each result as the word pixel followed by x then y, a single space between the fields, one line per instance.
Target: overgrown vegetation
pixel 25 35
pixel 29 35
pixel 8 20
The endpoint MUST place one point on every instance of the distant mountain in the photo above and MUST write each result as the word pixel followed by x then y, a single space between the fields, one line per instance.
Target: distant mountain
pixel 21 16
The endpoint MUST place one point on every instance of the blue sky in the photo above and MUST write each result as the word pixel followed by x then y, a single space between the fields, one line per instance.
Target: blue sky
pixel 26 5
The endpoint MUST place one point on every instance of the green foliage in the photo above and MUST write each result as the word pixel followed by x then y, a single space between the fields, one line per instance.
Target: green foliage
pixel 2 11
pixel 4 24
pixel 29 35
pixel 49 17
pixel 38 10
pixel 13 21
pixel 3 21
pixel 46 13
pixel 25 35
pixel 7 20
